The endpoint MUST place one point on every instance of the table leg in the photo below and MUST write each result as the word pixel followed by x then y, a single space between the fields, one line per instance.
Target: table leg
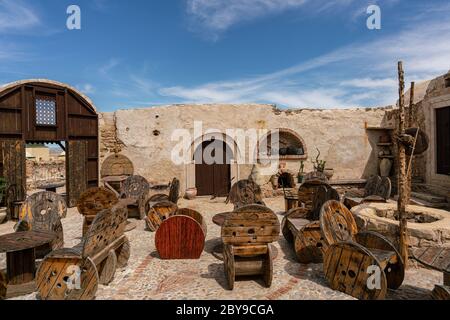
pixel 21 266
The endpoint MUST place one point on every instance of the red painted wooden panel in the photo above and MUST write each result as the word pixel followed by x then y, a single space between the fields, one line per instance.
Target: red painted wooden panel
pixel 180 237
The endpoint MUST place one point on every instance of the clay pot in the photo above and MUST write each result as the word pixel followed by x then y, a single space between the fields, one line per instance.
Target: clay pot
pixel 329 173
pixel 385 167
pixel 190 193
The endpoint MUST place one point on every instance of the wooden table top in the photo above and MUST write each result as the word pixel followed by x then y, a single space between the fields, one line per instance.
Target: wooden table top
pixel 115 178
pixel 52 185
pixel 219 219
pixel 19 241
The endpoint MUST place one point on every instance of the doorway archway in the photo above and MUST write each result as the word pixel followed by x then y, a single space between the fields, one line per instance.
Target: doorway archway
pixel 213 168
pixel 46 111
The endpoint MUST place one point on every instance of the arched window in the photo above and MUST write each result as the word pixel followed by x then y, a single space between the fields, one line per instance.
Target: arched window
pixel 290 145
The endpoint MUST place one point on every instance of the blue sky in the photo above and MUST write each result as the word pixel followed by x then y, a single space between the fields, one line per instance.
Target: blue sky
pixel 293 53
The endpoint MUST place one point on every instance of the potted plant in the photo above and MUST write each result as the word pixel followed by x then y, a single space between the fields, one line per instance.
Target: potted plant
pixel 319 165
pixel 300 174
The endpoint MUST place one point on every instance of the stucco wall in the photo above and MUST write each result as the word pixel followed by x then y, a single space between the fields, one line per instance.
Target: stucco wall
pixel 144 136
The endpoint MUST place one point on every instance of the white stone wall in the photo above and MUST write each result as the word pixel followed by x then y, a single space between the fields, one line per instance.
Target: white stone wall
pixel 339 134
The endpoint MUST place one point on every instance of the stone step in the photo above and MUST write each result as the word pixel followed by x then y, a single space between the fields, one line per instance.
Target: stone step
pixel 428 197
pixel 424 203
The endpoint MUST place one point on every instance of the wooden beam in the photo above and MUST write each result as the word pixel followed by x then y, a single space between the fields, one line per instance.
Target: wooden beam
pixel 411 120
pixel 402 176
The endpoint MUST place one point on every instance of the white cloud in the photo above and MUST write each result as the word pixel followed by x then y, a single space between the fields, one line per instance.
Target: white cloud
pixel 86 88
pixel 16 16
pixel 370 83
pixel 219 15
pixel 364 72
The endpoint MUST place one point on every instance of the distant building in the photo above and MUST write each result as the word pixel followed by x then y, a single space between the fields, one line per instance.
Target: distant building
pixel 37 152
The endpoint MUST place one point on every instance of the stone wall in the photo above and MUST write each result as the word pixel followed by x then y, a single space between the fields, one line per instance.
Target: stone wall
pixel 42 172
pixel 144 135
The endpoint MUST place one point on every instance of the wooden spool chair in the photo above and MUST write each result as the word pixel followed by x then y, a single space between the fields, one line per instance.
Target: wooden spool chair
pixel 354 259
pixel 74 273
pixel 93 201
pixel 301 226
pixel 436 258
pixel 245 192
pixel 15 196
pixel 173 196
pixel 181 236
pixel 42 211
pixel 135 190
pixel 247 233
pixel 377 189
pixel 159 212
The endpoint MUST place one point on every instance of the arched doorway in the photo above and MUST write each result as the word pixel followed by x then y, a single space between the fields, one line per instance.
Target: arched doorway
pixel 213 176
pixel 48 112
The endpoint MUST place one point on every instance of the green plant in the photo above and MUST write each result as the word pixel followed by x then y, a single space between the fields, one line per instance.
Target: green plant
pixel 302 168
pixel 2 188
pixel 319 165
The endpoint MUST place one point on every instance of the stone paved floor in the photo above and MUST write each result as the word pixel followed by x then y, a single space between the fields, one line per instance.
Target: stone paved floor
pixel 148 277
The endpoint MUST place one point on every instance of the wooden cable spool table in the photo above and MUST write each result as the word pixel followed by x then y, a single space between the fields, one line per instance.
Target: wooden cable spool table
pixel 20 249
pixel 219 220
pixel 51 187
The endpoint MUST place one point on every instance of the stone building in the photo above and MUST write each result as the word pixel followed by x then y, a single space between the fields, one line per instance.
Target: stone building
pixel 145 136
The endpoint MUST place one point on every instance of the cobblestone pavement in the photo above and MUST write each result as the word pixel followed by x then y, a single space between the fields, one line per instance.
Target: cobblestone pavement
pixel 148 277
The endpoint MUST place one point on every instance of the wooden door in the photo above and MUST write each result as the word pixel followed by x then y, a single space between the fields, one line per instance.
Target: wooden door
pixel 443 140
pixel 213 179
pixel 14 166
pixel 76 170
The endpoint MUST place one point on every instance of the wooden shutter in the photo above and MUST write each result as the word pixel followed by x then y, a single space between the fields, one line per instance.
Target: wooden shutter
pixel 14 167
pixel 76 179
pixel 443 140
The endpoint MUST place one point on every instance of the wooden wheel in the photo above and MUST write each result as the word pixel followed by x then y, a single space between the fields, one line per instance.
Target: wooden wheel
pixel 337 223
pixel 309 244
pixel 43 211
pixel 107 268
pixel 135 187
pixel 245 192
pixel 441 292
pixel 372 185
pixel 94 200
pixel 268 267
pixel 147 203
pixel 158 213
pixel 64 275
pixel 123 254
pixel 180 237
pixel 385 188
pixel 174 192
pixel 228 260
pixel 43 200
pixel 117 165
pixel 394 270
pixel 346 267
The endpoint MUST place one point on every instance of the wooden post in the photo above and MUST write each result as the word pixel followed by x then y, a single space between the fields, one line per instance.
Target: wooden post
pixel 411 120
pixel 402 176
pixel 410 124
